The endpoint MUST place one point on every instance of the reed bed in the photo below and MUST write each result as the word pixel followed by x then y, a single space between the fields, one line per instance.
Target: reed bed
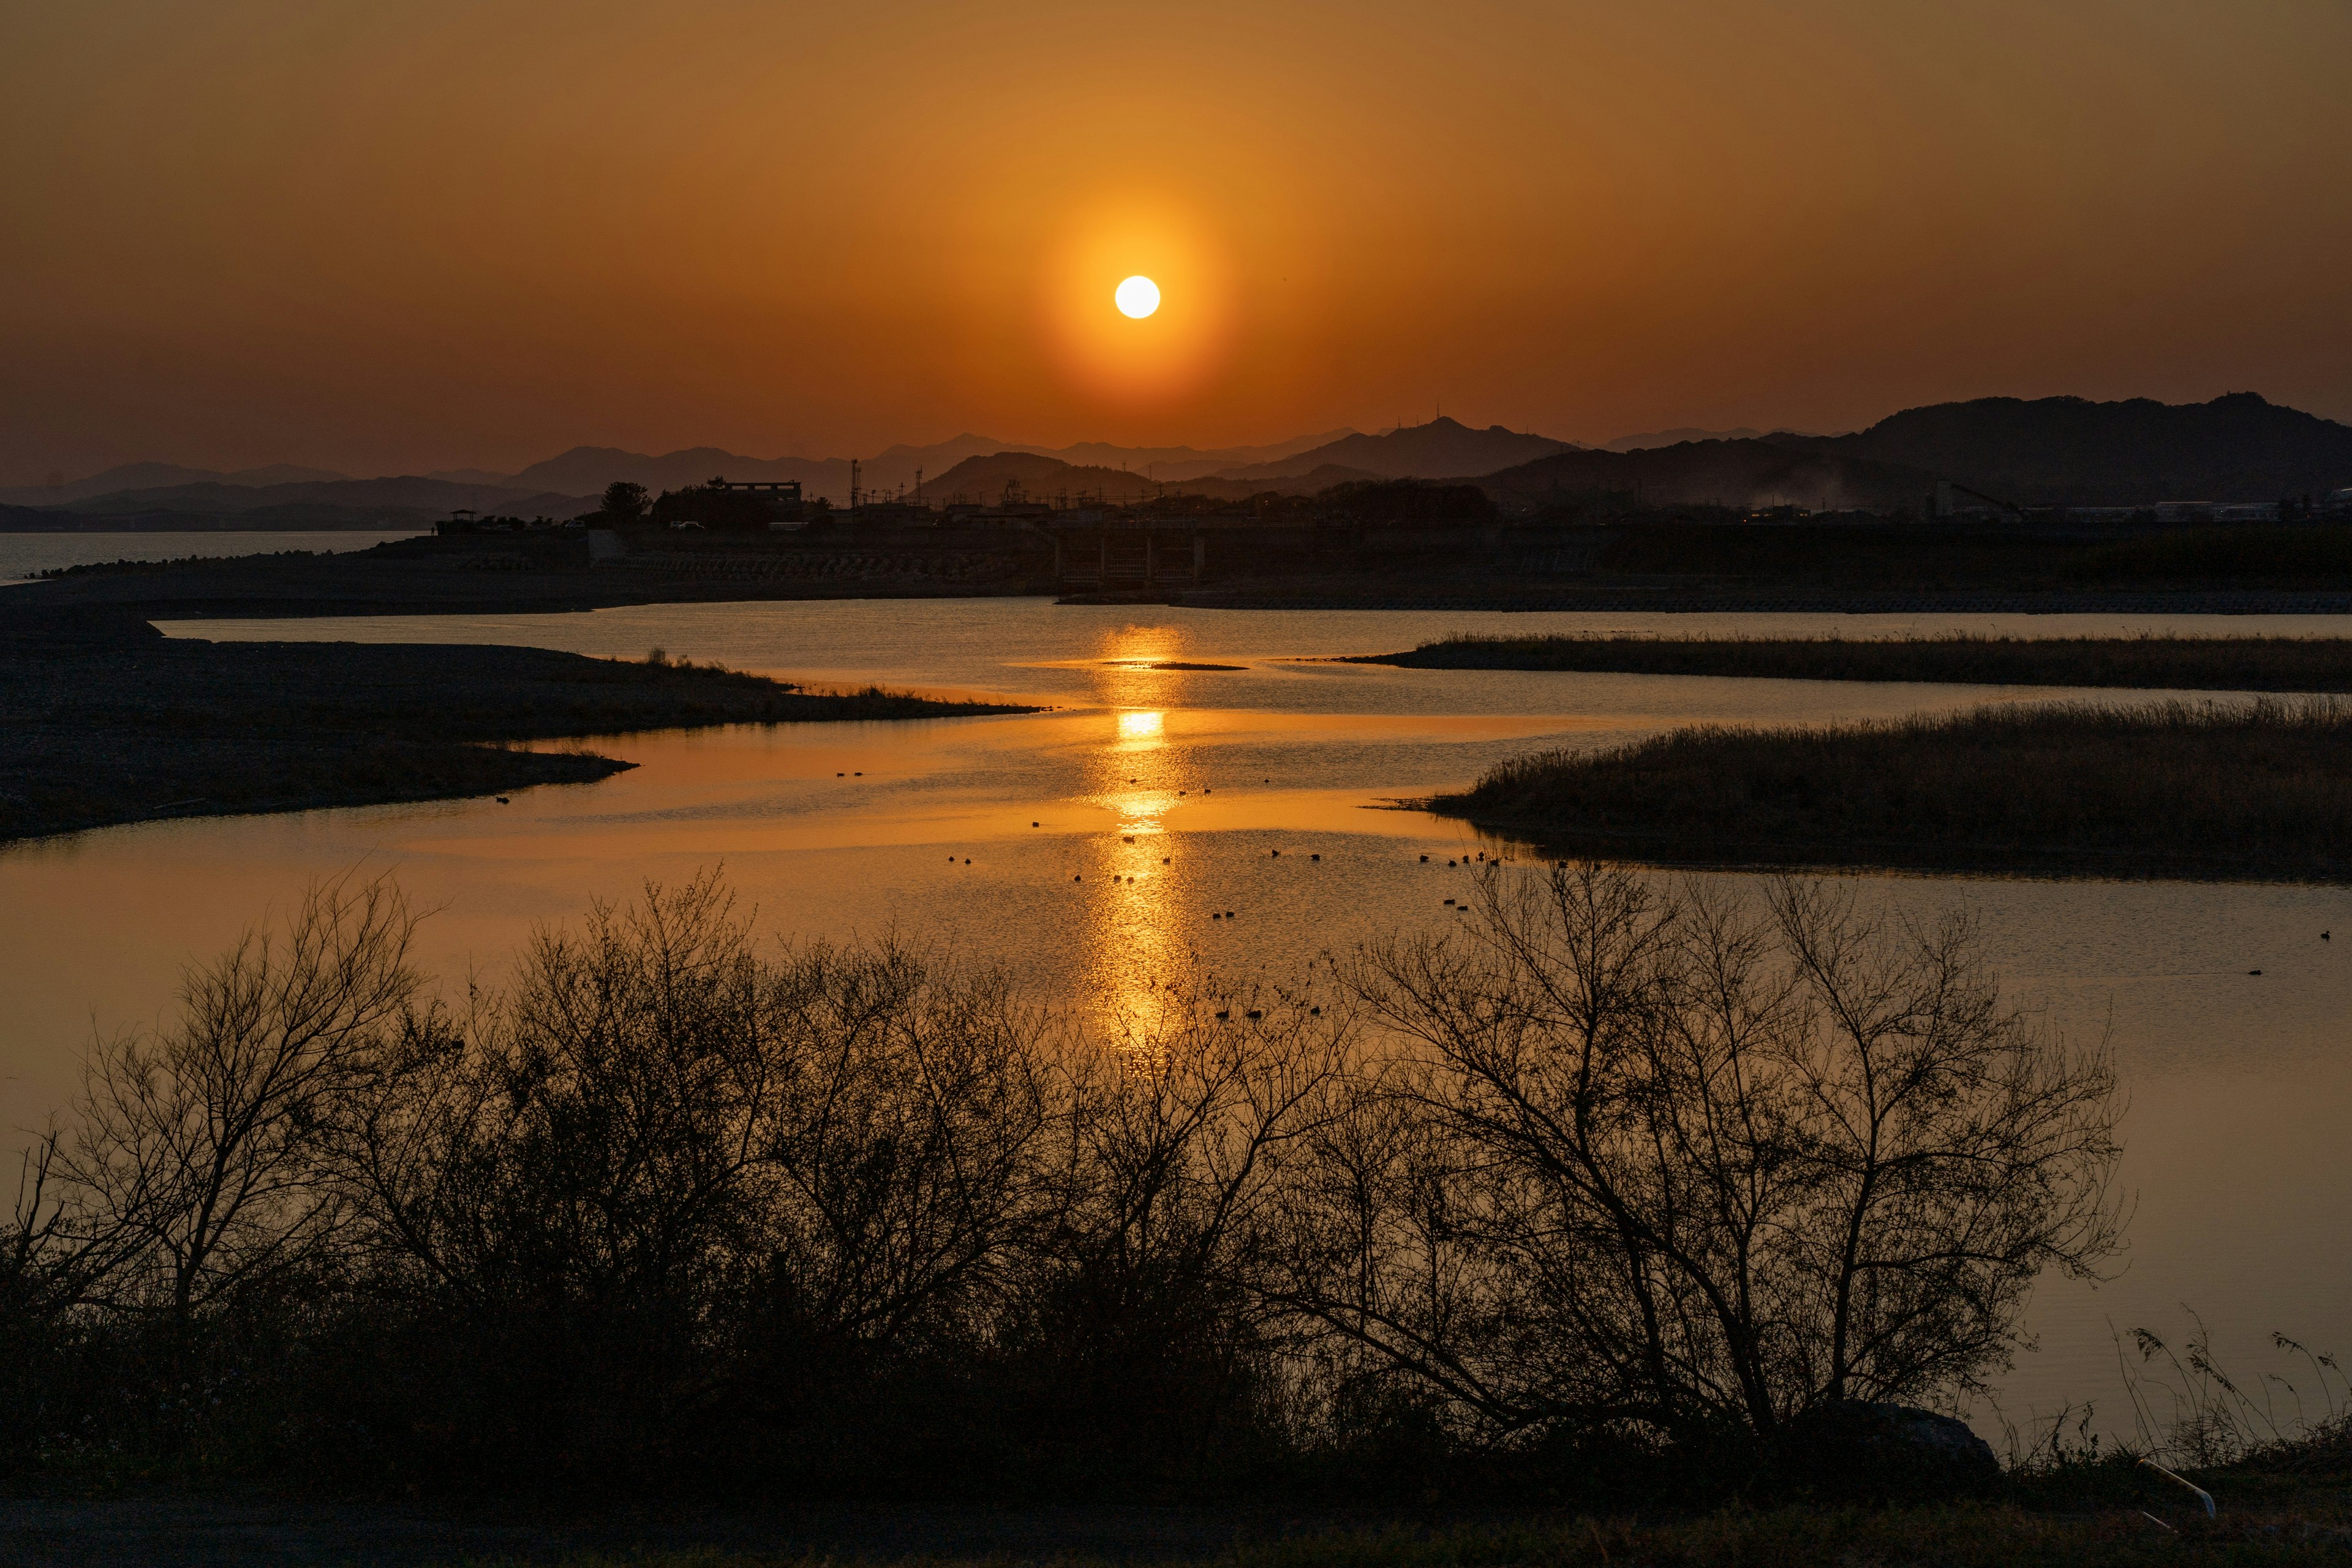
pixel 2261 791
pixel 2179 664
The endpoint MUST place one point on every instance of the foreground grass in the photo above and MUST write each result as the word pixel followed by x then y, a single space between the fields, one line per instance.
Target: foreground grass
pixel 130 727
pixel 2261 791
pixel 2180 664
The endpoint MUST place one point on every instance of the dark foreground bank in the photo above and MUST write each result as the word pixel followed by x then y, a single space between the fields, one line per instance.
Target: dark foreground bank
pixel 2313 1527
pixel 2262 791
pixel 2178 664
pixel 128 726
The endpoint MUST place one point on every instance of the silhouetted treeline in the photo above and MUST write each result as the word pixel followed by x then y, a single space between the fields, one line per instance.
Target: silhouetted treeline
pixel 1619 1179
pixel 712 507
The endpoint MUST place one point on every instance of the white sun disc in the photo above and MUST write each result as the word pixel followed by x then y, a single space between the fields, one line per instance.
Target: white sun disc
pixel 1137 297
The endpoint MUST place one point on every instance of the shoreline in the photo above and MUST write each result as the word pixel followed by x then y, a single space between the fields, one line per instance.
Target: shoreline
pixel 112 727
pixel 493 575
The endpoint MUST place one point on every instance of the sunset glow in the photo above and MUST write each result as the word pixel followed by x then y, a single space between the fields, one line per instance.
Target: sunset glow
pixel 1778 218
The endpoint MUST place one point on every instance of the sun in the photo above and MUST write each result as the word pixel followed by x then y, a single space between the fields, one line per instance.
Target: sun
pixel 1137 297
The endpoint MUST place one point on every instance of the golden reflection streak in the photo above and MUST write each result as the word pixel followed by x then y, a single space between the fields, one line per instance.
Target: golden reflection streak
pixel 1135 925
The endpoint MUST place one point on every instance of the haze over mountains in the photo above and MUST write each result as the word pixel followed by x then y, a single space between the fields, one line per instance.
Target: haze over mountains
pixel 1442 449
pixel 155 476
pixel 2056 450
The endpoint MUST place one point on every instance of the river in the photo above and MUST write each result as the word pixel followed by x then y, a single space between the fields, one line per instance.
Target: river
pixel 1087 846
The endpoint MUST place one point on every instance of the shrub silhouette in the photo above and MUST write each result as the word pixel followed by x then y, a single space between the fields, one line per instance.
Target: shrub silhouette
pixel 1610 1178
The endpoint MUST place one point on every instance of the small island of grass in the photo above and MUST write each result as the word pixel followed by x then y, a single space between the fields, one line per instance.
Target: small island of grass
pixel 2149 663
pixel 2259 792
pixel 1167 664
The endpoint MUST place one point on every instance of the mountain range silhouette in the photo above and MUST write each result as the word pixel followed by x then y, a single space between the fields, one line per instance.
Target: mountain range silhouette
pixel 2041 451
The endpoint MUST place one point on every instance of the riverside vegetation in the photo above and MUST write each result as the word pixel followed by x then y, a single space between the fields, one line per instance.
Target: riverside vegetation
pixel 1617 1193
pixel 2259 790
pixel 2181 664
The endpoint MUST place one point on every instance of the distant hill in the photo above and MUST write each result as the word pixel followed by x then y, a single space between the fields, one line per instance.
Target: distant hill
pixel 1040 478
pixel 1442 449
pixel 1037 478
pixel 1187 462
pixel 1715 473
pixel 2069 449
pixel 155 476
pixel 1678 437
pixel 1313 482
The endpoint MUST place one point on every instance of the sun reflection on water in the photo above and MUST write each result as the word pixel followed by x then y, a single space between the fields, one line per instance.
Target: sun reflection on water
pixel 1137 924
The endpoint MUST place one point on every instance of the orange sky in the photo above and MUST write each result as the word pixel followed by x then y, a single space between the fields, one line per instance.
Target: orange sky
pixel 385 236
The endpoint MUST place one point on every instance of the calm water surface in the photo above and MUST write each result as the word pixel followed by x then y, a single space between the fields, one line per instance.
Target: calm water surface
pixel 1014 838
pixel 24 554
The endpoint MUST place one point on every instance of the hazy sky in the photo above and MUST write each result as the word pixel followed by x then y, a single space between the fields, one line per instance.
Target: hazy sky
pixel 383 236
